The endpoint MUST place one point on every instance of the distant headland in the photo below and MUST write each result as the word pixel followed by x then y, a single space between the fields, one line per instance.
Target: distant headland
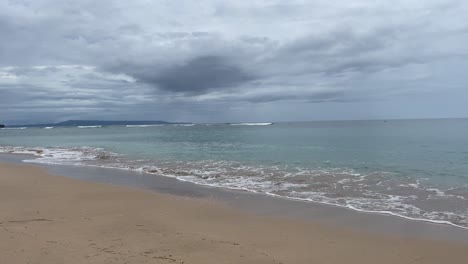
pixel 70 123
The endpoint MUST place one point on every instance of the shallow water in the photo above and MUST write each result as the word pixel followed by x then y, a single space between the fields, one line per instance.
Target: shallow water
pixel 412 168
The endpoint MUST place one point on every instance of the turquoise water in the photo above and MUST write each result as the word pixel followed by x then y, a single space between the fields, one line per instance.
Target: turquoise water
pixel 412 168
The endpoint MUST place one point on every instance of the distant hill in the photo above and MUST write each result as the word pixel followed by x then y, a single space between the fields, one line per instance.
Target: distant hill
pixel 94 123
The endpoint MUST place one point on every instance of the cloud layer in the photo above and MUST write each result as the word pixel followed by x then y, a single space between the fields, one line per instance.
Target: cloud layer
pixel 232 61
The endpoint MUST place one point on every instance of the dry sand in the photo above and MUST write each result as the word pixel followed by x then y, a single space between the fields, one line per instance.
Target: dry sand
pixel 54 219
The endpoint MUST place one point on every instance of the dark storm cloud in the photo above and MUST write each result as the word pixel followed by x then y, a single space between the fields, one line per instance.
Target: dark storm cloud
pixel 196 76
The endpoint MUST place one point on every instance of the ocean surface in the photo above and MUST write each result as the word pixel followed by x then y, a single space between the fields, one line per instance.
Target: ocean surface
pixel 417 169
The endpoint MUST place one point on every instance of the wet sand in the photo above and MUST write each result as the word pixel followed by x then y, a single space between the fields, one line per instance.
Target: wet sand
pixel 53 219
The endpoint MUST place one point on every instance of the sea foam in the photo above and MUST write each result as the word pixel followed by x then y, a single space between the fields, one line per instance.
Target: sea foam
pixel 375 192
pixel 89 126
pixel 251 124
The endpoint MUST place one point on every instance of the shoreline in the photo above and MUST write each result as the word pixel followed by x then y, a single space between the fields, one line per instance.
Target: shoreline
pixel 256 203
pixel 390 203
pixel 56 219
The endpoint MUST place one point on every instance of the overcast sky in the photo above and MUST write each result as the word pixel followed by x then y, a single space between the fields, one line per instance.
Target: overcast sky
pixel 231 61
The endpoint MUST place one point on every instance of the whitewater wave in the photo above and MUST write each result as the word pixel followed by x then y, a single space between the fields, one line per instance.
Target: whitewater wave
pixel 58 155
pixel 14 128
pixel 144 125
pixel 89 126
pixel 48 127
pixel 251 124
pixel 184 125
pixel 376 192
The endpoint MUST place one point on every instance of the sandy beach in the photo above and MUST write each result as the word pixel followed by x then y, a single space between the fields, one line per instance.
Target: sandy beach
pixel 53 219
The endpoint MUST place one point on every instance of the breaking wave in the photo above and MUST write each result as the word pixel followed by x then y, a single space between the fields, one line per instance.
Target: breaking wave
pixel 251 124
pixel 144 125
pixel 13 128
pixel 184 125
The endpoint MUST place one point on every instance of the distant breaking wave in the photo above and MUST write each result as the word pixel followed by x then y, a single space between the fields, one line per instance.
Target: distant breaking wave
pixel 89 126
pixel 184 125
pixel 251 124
pixel 15 128
pixel 144 125
pixel 48 127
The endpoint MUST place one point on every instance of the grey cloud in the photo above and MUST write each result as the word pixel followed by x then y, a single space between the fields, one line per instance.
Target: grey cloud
pixel 315 97
pixel 343 50
pixel 141 58
pixel 197 75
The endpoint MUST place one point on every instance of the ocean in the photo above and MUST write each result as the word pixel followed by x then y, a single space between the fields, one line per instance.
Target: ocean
pixel 416 169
